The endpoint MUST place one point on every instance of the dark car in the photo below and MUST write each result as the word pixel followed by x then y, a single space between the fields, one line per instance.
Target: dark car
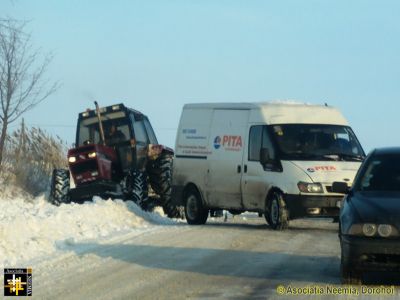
pixel 369 220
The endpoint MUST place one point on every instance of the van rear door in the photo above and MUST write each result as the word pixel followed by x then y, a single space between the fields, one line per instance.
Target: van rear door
pixel 223 184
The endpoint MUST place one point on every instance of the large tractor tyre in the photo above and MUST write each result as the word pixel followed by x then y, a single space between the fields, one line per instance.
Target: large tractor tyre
pixel 195 212
pixel 59 187
pixel 160 177
pixel 277 214
pixel 136 188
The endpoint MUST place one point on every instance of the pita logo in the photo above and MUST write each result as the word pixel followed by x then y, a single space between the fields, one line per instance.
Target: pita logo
pixel 228 142
pixel 217 142
pixel 321 168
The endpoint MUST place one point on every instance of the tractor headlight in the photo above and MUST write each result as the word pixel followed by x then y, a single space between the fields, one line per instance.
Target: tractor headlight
pixel 92 154
pixel 306 187
pixel 72 159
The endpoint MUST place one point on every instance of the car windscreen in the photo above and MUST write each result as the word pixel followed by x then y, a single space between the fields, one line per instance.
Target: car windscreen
pixel 115 126
pixel 381 174
pixel 317 142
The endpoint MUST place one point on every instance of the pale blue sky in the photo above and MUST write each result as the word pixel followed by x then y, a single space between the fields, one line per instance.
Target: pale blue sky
pixel 157 55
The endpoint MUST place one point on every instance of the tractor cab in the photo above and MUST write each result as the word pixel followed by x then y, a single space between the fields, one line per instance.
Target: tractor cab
pixel 116 155
pixel 127 131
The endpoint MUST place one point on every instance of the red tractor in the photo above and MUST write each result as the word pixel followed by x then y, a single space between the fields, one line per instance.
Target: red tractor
pixel 116 156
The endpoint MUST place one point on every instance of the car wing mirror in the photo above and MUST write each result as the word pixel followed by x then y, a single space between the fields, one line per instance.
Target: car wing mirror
pixel 340 187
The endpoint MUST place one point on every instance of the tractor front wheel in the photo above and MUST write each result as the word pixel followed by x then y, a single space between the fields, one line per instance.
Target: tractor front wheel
pixel 135 188
pixel 60 186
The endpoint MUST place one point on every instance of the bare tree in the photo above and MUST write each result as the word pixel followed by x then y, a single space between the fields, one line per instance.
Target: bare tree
pixel 22 70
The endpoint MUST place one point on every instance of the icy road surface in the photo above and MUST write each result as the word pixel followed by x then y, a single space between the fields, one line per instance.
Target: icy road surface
pixel 239 259
pixel 106 249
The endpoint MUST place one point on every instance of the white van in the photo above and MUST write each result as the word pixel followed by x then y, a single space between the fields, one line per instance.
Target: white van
pixel 277 159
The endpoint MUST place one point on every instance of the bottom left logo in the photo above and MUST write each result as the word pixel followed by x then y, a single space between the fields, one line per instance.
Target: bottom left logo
pixel 18 282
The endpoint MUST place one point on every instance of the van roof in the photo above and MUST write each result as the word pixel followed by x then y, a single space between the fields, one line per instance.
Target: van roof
pixel 279 112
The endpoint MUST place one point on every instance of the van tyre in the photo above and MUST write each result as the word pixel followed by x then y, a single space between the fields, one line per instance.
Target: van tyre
pixel 160 178
pixel 277 215
pixel 195 212
pixel 59 187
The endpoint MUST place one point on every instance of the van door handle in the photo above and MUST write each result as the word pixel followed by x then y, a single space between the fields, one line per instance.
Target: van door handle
pixel 245 168
pixel 239 169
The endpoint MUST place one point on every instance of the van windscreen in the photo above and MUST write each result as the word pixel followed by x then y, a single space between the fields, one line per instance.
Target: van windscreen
pixel 315 141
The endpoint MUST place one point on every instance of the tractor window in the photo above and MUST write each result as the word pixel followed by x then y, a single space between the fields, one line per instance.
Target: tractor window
pixel 140 132
pixel 150 132
pixel 88 134
pixel 115 130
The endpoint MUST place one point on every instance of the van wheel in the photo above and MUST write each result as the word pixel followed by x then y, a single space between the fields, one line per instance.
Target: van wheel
pixel 277 215
pixel 195 212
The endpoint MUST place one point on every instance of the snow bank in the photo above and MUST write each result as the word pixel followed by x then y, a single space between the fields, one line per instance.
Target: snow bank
pixel 33 229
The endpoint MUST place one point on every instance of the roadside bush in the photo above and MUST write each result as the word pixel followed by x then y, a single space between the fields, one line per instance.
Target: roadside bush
pixel 30 156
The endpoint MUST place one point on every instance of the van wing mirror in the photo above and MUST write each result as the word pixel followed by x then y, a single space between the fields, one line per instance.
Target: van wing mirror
pixel 340 187
pixel 264 156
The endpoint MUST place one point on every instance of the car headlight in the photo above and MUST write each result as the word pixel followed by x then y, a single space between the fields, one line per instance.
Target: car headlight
pixel 306 187
pixel 72 159
pixel 371 230
pixel 385 230
pixel 92 154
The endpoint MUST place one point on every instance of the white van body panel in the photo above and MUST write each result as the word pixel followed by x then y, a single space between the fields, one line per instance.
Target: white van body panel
pixel 257 183
pixel 327 172
pixel 281 113
pixel 223 187
pixel 192 141
pixel 212 146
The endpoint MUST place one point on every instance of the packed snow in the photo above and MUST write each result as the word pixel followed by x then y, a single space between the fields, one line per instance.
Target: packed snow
pixel 34 229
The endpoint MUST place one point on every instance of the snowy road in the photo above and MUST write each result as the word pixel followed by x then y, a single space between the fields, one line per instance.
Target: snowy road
pixel 113 250
pixel 239 259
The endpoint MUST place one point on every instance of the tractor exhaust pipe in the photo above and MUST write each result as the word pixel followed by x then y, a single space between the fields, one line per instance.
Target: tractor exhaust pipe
pixel 103 140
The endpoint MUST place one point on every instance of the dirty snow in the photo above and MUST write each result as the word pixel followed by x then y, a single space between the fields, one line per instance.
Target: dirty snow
pixel 35 229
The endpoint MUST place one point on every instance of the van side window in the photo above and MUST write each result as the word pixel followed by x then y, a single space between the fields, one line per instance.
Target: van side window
pixel 267 143
pixel 255 140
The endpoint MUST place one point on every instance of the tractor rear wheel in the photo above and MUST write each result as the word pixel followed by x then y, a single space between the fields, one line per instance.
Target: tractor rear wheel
pixel 135 188
pixel 60 185
pixel 160 177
